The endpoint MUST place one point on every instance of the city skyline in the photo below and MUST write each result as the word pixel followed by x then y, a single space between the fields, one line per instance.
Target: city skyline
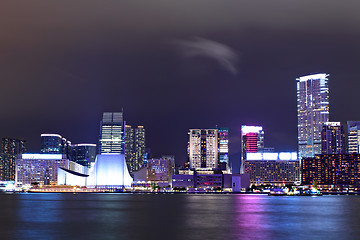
pixel 67 71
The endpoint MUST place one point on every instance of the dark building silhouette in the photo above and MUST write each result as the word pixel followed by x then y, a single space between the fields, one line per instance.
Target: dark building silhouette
pixel 10 149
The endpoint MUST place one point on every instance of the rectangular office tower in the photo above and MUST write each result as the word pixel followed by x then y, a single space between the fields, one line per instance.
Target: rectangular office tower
pixel 10 149
pixel 134 147
pixel 252 141
pixel 332 138
pixel 223 143
pixel 203 148
pixel 313 112
pixel 112 137
pixel 353 136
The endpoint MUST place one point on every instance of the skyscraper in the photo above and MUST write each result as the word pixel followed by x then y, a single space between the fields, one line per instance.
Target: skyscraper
pixel 332 138
pixel 353 136
pixel 139 146
pixel 112 137
pixel 203 148
pixel 129 147
pixel 10 149
pixel 252 141
pixel 223 143
pixel 313 112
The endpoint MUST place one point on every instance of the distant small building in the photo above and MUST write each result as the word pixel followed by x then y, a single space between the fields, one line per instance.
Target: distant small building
pixel 158 171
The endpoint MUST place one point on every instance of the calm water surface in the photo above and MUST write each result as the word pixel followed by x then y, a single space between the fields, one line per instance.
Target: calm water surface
pixel 177 216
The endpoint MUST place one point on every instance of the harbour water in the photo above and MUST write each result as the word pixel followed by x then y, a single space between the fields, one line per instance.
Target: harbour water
pixel 177 216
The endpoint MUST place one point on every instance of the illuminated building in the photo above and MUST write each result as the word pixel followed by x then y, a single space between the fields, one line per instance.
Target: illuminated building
pixel 109 171
pixel 112 138
pixel 52 144
pixel 203 148
pixel 273 168
pixel 332 138
pixel 171 158
pixel 160 170
pixel 329 170
pixel 39 168
pixel 134 147
pixel 353 136
pixel 252 141
pixel 236 182
pixel 10 149
pixel 129 147
pixel 83 154
pixel 139 147
pixel 223 144
pixel 312 111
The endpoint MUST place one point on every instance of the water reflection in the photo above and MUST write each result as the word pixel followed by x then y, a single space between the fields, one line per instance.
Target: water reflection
pixel 177 216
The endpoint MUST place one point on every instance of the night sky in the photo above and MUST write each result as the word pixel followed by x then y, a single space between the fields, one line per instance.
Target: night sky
pixel 173 65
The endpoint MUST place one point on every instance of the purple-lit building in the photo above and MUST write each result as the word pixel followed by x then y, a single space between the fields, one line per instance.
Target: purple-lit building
pixel 39 168
pixel 273 168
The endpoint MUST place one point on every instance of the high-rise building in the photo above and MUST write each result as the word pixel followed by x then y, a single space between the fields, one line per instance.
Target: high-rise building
pixel 83 154
pixel 252 141
pixel 129 147
pixel 134 147
pixel 139 147
pixel 11 148
pixel 223 144
pixel 353 136
pixel 332 138
pixel 203 148
pixel 313 112
pixel 112 137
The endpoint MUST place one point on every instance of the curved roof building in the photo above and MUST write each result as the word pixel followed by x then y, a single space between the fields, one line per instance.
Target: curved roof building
pixel 109 171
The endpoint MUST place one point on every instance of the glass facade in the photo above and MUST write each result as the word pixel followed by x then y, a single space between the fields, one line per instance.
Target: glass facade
pixel 223 143
pixel 83 154
pixel 52 143
pixel 353 136
pixel 112 137
pixel 332 138
pixel 312 112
